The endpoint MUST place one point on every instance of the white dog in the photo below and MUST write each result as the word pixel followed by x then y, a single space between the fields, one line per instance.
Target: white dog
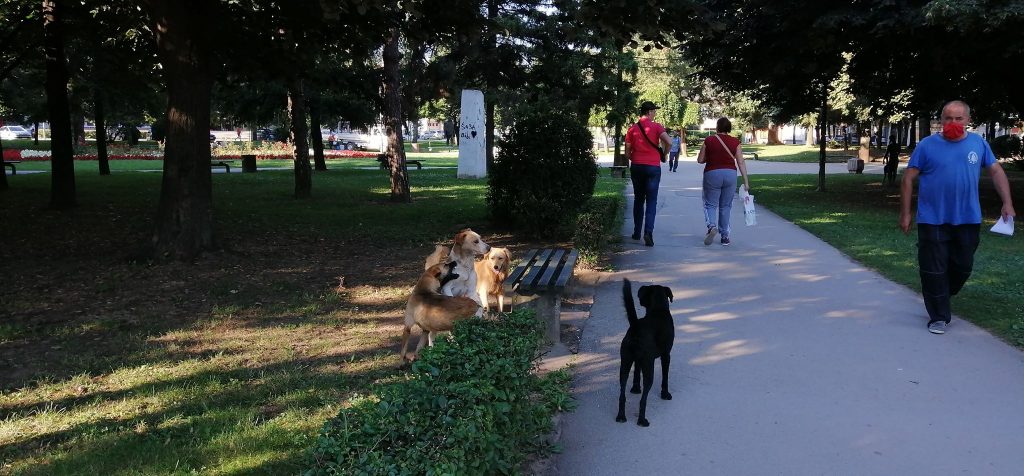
pixel 468 246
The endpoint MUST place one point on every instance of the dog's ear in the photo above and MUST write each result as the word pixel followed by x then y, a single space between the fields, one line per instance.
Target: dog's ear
pixel 644 293
pixel 460 238
pixel 668 292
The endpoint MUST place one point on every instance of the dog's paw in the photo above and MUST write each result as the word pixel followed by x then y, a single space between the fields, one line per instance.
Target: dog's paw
pixel 643 422
pixel 666 396
pixel 621 418
pixel 635 390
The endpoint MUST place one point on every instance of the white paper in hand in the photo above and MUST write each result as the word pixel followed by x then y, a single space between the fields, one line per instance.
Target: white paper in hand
pixel 1003 227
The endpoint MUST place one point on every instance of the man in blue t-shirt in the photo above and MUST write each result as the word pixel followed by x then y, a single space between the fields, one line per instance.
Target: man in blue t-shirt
pixel 948 210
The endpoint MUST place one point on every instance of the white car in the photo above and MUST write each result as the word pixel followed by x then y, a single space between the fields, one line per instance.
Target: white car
pixel 14 132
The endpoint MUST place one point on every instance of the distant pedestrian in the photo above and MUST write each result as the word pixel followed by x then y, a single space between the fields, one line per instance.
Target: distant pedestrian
pixel 449 131
pixel 891 161
pixel 645 157
pixel 723 155
pixel 673 153
pixel 948 207
pixel 238 133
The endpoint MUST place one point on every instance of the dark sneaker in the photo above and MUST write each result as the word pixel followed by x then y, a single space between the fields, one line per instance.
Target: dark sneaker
pixel 725 241
pixel 710 236
pixel 648 239
pixel 937 327
pixel 636 235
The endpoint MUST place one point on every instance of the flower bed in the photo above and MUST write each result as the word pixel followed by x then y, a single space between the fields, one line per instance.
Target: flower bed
pixel 12 154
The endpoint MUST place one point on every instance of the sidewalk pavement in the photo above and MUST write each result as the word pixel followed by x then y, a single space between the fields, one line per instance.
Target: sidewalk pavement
pixel 789 359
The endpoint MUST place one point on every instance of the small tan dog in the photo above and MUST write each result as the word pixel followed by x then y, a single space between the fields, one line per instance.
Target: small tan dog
pixel 432 311
pixel 490 275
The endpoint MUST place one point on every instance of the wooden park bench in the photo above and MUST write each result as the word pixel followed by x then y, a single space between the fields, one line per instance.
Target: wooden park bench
pixel 619 171
pixel 383 161
pixel 539 279
pixel 223 163
pixel 10 163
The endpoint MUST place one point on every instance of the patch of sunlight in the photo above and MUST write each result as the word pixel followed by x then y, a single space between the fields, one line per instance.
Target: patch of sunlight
pixel 694 328
pixel 822 220
pixel 811 278
pixel 842 314
pixel 783 261
pixel 715 317
pixel 725 351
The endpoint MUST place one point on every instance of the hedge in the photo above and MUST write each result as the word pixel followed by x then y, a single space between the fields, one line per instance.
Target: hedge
pixel 471 404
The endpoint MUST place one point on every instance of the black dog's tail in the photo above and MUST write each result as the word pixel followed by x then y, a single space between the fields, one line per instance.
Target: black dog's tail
pixel 627 299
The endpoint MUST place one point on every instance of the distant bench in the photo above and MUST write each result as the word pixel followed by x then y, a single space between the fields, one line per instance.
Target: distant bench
pixel 540 279
pixel 223 163
pixel 382 159
pixel 10 163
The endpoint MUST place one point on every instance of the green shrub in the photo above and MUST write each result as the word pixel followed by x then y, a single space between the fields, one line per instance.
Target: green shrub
pixel 599 219
pixel 471 405
pixel 543 173
pixel 1009 147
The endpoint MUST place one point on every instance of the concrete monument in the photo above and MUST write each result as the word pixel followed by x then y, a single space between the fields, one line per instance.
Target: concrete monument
pixel 472 135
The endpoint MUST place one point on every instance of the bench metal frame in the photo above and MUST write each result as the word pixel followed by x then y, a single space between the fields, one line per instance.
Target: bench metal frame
pixel 539 279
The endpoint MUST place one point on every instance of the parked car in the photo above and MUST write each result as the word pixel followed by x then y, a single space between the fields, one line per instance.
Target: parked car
pixel 14 132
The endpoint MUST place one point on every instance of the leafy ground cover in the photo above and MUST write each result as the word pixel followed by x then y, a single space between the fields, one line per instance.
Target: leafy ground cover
pixel 860 217
pixel 227 365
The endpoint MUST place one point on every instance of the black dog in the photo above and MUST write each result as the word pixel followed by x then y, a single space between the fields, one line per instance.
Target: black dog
pixel 647 339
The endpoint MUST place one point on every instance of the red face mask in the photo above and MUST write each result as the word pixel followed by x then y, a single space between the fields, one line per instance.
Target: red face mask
pixel 952 130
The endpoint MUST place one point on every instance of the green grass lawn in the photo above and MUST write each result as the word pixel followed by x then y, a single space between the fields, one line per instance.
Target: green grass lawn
pixel 859 218
pixel 437 159
pixel 231 364
pixel 802 153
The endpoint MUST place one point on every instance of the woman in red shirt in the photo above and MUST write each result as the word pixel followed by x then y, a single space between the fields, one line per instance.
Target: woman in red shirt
pixel 722 154
pixel 645 169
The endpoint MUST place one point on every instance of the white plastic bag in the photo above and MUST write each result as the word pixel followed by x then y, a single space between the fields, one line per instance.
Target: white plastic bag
pixel 749 213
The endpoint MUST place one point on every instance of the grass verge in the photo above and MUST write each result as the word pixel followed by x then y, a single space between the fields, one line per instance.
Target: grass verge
pixel 860 218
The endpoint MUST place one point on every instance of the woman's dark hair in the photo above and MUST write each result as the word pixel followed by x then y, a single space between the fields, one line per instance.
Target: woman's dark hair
pixel 724 125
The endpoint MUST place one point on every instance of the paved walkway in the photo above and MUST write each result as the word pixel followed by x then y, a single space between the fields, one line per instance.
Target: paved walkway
pixel 789 359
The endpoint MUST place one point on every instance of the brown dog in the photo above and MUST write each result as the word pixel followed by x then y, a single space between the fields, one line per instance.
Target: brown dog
pixel 432 311
pixel 490 275
pixel 440 255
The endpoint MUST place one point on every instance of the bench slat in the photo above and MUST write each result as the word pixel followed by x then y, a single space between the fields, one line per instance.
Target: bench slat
pixel 513 278
pixel 545 283
pixel 567 268
pixel 528 283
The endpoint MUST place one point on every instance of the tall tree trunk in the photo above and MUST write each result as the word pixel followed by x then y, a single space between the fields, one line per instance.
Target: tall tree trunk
pixel 62 163
pixel 822 125
pixel 773 134
pixel 619 159
pixel 3 170
pixel 299 137
pixel 184 222
pixel 926 126
pixel 101 132
pixel 35 133
pixel 393 120
pixel 912 134
pixel 489 102
pixel 319 163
